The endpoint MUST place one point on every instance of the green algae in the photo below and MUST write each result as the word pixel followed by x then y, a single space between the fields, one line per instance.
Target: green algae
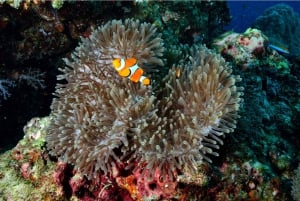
pixel 36 181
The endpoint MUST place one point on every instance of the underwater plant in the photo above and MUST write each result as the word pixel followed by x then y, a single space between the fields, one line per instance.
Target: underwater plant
pixel 100 119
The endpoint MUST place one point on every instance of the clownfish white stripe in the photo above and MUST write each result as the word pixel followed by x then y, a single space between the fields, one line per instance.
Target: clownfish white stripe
pixel 133 69
pixel 121 66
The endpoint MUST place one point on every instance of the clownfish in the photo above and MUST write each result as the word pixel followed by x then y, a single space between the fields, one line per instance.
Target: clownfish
pixel 129 68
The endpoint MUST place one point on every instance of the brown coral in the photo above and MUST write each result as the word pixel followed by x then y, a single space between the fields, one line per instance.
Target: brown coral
pixel 99 118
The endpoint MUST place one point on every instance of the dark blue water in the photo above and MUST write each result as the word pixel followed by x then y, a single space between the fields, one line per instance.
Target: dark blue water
pixel 244 13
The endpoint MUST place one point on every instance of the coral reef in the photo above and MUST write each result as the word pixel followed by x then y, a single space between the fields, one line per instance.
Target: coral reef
pixel 281 24
pixel 101 122
pixel 249 50
pixel 57 4
pixel 269 113
pixel 25 173
pixel 242 48
pixel 43 36
pixel 185 22
pixel 245 181
pixel 256 163
pixel 37 177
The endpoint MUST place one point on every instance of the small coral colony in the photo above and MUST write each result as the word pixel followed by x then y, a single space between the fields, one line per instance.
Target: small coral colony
pixel 138 115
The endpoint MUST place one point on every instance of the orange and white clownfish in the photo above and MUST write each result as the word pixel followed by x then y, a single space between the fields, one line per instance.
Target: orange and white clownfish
pixel 129 68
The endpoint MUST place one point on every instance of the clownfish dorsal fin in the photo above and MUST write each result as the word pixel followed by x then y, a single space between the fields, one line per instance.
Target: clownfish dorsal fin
pixel 130 62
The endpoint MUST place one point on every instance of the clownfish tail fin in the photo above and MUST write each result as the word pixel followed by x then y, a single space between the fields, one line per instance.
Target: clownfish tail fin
pixel 145 80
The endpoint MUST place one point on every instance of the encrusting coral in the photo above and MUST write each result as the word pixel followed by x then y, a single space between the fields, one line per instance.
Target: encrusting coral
pixel 100 120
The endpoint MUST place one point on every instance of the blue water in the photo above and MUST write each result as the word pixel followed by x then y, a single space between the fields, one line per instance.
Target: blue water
pixel 244 13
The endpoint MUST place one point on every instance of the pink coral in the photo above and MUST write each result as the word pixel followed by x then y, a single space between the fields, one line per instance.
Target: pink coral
pixel 76 182
pixel 59 172
pixel 25 170
pixel 243 40
pixel 159 186
pixel 142 184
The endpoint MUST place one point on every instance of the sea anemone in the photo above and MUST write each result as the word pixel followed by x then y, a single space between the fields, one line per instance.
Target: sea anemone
pixel 198 104
pixel 99 119
pixel 92 112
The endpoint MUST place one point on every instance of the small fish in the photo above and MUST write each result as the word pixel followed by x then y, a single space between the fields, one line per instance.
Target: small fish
pixel 129 68
pixel 279 49
pixel 178 73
